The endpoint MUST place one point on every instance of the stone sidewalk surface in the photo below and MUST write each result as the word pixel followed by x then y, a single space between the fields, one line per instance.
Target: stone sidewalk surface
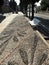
pixel 20 45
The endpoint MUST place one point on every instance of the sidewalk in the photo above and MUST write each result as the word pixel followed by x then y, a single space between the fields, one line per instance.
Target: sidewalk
pixel 19 44
pixel 13 35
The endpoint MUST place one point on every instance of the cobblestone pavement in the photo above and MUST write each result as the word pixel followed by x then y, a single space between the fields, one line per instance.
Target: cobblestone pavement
pixel 20 45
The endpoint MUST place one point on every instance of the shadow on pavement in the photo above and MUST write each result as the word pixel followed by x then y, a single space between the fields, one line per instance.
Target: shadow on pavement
pixel 2 18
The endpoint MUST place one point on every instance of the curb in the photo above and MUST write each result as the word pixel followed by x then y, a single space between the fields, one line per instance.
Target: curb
pixel 46 43
pixel 7 21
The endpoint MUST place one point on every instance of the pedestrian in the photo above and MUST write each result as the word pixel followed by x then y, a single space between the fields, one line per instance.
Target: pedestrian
pixel 13 6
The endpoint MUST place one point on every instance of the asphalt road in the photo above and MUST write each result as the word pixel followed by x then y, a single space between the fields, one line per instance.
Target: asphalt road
pixel 44 18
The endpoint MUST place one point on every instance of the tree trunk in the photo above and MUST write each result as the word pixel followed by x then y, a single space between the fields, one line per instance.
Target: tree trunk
pixel 32 11
pixel 29 11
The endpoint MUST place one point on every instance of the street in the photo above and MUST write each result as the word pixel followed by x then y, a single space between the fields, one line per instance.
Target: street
pixel 42 15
